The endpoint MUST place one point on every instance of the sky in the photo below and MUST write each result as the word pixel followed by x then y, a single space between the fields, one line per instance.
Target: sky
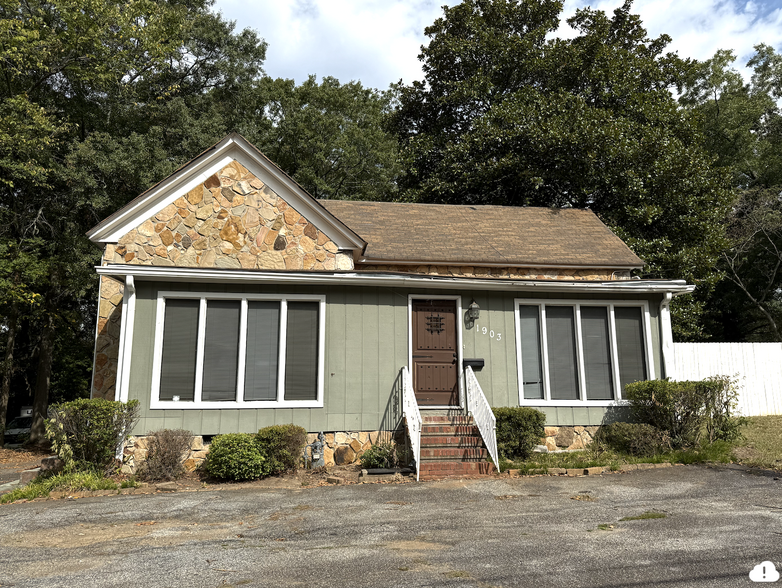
pixel 378 41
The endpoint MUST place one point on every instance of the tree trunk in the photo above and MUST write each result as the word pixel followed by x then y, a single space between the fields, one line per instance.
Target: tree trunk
pixel 8 368
pixel 43 377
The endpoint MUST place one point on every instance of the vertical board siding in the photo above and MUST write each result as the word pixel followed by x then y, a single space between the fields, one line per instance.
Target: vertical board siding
pixel 757 366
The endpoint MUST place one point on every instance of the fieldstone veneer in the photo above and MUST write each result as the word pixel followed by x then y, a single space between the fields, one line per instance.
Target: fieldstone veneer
pixel 107 341
pixel 514 273
pixel 232 220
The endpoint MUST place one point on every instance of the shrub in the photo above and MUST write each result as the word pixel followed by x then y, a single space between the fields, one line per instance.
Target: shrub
pixel 89 433
pixel 519 429
pixel 166 451
pixel 688 409
pixel 236 456
pixel 637 439
pixel 282 445
pixel 382 455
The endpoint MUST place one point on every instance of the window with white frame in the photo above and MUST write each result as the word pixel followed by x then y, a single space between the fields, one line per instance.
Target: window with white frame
pixel 572 352
pixel 229 351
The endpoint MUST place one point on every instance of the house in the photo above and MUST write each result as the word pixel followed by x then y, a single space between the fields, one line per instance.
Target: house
pixel 230 300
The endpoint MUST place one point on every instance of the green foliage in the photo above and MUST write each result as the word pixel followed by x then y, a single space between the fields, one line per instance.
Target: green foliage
pixel 637 439
pixel 647 515
pixel 89 434
pixel 519 429
pixel 64 481
pixel 282 446
pixel 381 455
pixel 687 410
pixel 236 456
pixel 166 452
pixel 508 115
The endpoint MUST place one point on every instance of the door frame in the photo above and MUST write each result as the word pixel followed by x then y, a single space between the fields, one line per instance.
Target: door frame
pixel 459 344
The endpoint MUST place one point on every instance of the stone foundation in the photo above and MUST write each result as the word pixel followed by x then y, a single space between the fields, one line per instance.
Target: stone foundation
pixel 576 437
pixel 515 273
pixel 107 339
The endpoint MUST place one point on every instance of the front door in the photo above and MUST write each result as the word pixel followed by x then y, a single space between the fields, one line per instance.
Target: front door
pixel 435 355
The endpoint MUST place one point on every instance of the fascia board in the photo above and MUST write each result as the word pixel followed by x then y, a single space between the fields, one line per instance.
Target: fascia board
pixel 145 272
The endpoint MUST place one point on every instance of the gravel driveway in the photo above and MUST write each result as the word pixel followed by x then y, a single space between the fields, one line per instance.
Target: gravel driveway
pixel 541 532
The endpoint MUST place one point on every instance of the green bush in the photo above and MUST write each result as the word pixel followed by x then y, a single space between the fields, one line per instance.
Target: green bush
pixel 382 455
pixel 637 439
pixel 236 456
pixel 519 429
pixel 282 445
pixel 89 433
pixel 166 451
pixel 687 410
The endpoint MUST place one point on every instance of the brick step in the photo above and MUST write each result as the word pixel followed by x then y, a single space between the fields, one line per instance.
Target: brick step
pixel 451 441
pixel 450 430
pixel 458 454
pixel 438 470
pixel 451 420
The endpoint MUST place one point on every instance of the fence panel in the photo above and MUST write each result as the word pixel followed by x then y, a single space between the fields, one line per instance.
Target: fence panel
pixel 758 367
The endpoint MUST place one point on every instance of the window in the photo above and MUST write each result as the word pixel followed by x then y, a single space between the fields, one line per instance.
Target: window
pixel 572 353
pixel 238 351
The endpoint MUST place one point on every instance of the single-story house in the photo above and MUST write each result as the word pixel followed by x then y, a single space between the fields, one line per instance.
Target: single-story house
pixel 230 299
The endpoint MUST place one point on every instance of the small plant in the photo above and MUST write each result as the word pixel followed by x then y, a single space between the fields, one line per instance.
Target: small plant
pixel 166 451
pixel 637 439
pixel 236 456
pixel 89 433
pixel 646 515
pixel 282 446
pixel 519 429
pixel 382 455
pixel 43 485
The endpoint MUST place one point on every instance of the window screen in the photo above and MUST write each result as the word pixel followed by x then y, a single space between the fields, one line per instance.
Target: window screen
pixel 630 344
pixel 561 347
pixel 261 363
pixel 221 350
pixel 531 367
pixel 597 357
pixel 301 351
pixel 180 340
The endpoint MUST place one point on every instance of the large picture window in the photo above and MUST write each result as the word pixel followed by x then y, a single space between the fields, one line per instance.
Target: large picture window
pixel 234 351
pixel 573 352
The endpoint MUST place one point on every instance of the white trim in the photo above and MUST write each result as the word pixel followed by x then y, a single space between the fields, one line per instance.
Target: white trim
pixel 666 337
pixel 182 274
pixel 459 344
pixel 126 343
pixel 197 403
pixel 577 304
pixel 613 267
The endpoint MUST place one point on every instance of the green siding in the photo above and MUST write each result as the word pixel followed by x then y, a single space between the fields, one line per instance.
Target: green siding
pixel 366 345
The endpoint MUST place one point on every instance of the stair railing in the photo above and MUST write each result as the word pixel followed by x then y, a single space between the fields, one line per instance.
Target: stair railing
pixel 412 418
pixel 482 414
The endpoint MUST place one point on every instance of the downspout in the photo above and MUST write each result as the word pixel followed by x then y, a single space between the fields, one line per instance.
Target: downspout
pixel 126 343
pixel 668 361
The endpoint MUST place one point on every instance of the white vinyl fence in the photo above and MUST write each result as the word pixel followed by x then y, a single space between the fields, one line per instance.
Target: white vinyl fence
pixel 758 367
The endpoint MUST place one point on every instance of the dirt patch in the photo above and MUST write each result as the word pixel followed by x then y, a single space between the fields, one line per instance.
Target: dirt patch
pixel 414 547
pixel 14 461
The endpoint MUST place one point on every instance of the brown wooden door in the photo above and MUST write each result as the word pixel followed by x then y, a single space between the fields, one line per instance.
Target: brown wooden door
pixel 435 356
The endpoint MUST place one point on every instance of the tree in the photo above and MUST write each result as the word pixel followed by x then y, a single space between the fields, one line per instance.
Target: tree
pixel 509 116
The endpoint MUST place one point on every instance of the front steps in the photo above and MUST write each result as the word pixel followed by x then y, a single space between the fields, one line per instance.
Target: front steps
pixel 451 446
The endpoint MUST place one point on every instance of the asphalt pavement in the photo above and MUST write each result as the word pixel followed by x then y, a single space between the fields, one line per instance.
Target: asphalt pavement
pixel 543 532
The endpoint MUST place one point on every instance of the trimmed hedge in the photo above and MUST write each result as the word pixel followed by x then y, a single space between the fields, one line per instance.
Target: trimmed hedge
pixel 519 429
pixel 282 445
pixel 236 456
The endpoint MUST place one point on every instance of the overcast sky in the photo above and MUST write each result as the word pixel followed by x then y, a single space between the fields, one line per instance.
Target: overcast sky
pixel 378 41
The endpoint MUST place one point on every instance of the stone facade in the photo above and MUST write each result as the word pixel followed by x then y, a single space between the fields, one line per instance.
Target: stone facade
pixel 576 437
pixel 107 340
pixel 232 220
pixel 513 273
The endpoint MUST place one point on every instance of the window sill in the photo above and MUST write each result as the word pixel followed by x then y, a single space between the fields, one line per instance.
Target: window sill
pixel 573 403
pixel 184 405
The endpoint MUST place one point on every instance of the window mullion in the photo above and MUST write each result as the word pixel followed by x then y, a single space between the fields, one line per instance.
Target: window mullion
pixel 614 353
pixel 199 379
pixel 580 355
pixel 544 350
pixel 282 350
pixel 242 351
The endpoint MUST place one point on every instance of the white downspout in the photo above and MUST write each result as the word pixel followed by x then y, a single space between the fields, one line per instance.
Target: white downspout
pixel 126 344
pixel 666 332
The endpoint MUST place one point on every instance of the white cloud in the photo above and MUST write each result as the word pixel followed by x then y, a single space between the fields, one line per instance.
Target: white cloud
pixel 378 41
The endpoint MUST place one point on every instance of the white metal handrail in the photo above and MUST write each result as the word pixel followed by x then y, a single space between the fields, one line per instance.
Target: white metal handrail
pixel 482 414
pixel 412 418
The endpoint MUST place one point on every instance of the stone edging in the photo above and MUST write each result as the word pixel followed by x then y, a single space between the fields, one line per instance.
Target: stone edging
pixel 594 471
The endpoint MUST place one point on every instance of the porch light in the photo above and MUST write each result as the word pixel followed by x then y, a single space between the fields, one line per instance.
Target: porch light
pixel 474 311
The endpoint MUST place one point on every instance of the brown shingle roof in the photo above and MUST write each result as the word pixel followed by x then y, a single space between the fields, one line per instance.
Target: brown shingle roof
pixel 475 235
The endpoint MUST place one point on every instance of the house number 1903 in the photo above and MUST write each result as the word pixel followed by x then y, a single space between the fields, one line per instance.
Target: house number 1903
pixel 489 332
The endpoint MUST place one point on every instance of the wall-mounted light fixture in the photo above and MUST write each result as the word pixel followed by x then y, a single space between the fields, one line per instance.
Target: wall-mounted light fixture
pixel 474 311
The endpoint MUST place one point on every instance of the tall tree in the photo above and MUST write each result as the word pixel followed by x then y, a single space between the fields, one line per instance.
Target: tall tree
pixel 508 115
